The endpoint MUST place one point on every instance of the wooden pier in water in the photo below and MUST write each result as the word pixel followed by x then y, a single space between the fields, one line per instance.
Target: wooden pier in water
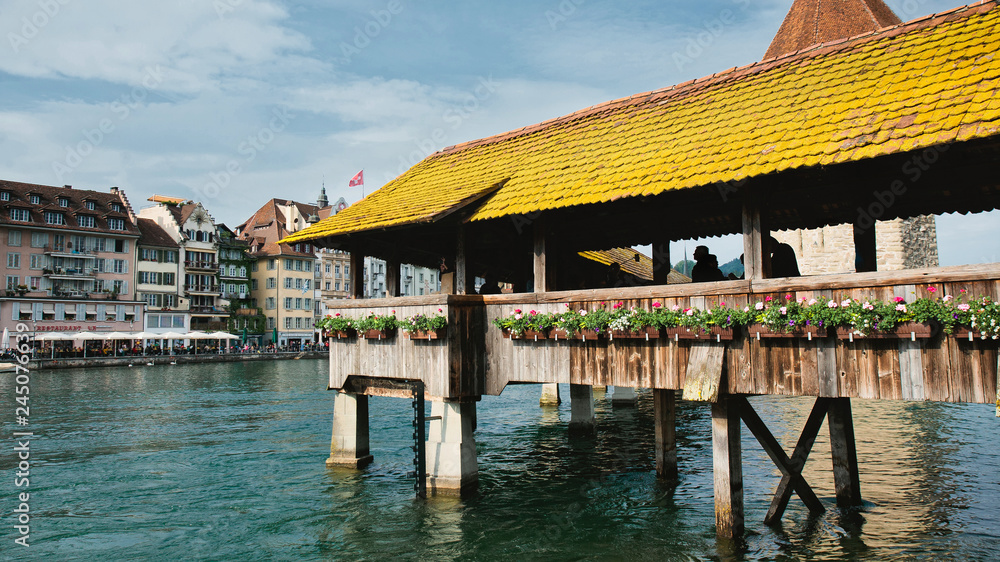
pixel 788 143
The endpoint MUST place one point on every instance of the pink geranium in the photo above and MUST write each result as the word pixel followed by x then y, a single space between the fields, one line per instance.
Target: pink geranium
pixel 657 304
pixel 899 299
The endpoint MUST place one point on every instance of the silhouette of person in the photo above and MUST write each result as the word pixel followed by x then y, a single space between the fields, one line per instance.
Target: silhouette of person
pixel 783 262
pixel 707 266
pixel 614 277
pixel 489 286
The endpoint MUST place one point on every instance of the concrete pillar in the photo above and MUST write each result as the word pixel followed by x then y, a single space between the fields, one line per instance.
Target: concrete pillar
pixel 581 397
pixel 451 448
pixel 624 396
pixel 550 394
pixel 665 415
pixel 349 445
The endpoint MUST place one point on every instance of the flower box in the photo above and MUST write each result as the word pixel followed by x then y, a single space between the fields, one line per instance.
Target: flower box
pixel 531 335
pixel 648 333
pixel 910 330
pixel 342 334
pixel 973 335
pixel 426 334
pixel 761 331
pixel 585 335
pixel 684 333
pixel 377 334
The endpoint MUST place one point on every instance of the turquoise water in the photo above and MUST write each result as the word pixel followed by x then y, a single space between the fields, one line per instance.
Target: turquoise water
pixel 226 461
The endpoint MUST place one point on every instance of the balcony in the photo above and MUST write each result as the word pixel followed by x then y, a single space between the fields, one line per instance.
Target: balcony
pixel 69 273
pixel 67 252
pixel 231 296
pixel 204 265
pixel 201 288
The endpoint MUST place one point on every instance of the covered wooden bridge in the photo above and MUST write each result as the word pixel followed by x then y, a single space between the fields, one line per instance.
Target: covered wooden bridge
pixel 898 122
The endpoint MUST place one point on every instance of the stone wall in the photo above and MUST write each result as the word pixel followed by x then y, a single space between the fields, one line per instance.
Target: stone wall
pixel 900 243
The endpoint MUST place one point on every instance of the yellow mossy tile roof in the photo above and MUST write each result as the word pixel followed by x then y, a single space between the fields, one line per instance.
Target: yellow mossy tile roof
pixel 902 88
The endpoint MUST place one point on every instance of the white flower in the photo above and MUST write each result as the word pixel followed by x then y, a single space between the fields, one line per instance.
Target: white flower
pixel 947 298
pixel 963 307
pixel 746 309
pixel 517 317
pixel 783 310
pixel 759 305
pixel 812 302
pixel 845 302
pixel 583 313
pixel 901 307
pixel 831 304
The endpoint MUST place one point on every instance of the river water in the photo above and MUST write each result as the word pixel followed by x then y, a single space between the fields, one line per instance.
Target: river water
pixel 225 461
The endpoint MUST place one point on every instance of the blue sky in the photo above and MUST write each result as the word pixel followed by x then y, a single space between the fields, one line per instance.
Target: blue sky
pixel 232 102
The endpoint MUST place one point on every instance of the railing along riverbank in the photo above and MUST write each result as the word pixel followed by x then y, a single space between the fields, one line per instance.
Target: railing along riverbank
pixel 150 360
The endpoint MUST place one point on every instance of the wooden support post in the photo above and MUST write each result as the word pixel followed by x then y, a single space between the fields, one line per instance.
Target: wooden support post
pixel 799 456
pixel 865 256
pixel 393 286
pixel 756 257
pixel 665 414
pixel 550 394
pixel 661 263
pixel 541 261
pixel 728 468
pixel 778 456
pixel 357 274
pixel 581 400
pixel 462 285
pixel 846 478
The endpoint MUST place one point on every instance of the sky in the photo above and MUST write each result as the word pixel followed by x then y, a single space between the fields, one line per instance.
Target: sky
pixel 234 102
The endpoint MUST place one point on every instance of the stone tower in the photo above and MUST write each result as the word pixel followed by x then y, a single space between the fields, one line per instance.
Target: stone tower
pixel 901 243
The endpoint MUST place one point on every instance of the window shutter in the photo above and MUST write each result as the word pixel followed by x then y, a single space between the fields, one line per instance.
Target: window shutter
pixel 60 311
pixel 16 311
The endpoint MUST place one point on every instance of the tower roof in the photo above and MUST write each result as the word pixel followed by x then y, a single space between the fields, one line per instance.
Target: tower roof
pixel 811 22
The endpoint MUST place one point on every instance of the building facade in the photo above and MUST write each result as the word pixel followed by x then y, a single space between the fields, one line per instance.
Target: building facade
pixel 68 259
pixel 190 225
pixel 158 280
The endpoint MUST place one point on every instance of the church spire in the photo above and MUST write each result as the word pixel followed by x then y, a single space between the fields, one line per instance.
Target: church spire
pixel 323 201
pixel 811 22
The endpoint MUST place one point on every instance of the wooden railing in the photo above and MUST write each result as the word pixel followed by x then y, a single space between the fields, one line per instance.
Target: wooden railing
pixel 475 358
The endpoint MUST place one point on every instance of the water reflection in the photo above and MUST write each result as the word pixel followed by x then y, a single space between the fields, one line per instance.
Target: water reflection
pixel 226 461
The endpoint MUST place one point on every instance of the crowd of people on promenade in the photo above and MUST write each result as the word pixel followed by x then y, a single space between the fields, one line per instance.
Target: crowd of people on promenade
pixel 134 349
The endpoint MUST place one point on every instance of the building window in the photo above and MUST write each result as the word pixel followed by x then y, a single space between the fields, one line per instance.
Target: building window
pixel 269 303
pixel 288 303
pixel 298 322
pixel 169 256
pixel 288 323
pixel 36 261
pixel 86 221
pixel 52 217
pixel 4 196
pixel 288 282
pixel 298 283
pixel 298 304
pixel 347 270
pixel 12 282
pixel 39 239
pixel 289 265
pixel 116 207
pixel 99 244
pixel 116 224
pixel 121 266
pixel 270 264
pixel 253 284
pixel 338 286
pixel 91 205
pixel 307 305
pixel 121 246
pixel 13 260
pixel 272 282
pixel 298 265
pixel 20 215
pixel 34 283
pixel 63 202
pixel 34 199
pixel 328 268
pixel 243 271
pixel 270 325
pixel 327 285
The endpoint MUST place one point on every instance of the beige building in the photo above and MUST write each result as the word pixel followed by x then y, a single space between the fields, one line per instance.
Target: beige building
pixel 283 277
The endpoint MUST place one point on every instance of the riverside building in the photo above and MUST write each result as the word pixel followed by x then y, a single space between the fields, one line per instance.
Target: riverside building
pixel 68 259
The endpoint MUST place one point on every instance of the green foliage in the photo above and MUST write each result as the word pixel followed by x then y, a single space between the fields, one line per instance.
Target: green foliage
pixel 984 316
pixel 380 322
pixel 518 321
pixel 424 323
pixel 335 323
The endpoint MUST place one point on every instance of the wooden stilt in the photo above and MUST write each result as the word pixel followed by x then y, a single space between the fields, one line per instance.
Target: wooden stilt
pixel 845 454
pixel 664 411
pixel 728 468
pixel 799 456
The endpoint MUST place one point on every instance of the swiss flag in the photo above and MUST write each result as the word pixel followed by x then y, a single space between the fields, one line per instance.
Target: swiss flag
pixel 358 179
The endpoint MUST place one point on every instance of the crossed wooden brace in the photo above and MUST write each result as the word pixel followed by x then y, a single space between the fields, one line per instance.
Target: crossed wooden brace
pixel 791 468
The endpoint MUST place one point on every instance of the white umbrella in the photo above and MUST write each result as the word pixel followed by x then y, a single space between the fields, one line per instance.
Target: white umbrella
pixel 170 336
pixel 223 336
pixel 5 340
pixel 196 335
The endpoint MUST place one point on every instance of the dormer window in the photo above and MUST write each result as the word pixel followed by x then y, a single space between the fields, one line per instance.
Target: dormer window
pixel 116 207
pixel 20 215
pixel 52 217
pixel 91 205
pixel 86 221
pixel 63 202
pixel 4 196
pixel 34 199
pixel 116 224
